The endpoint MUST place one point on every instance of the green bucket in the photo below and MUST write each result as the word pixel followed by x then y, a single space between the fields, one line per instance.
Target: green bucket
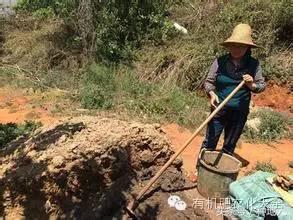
pixel 216 170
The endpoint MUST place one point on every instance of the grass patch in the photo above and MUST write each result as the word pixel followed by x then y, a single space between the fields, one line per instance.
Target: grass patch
pixel 272 126
pixel 265 166
pixel 10 131
pixel 62 81
pixel 118 88
pixel 98 88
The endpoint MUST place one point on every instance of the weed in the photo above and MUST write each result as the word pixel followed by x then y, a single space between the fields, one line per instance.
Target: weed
pixel 265 166
pixel 98 88
pixel 272 126
pixel 11 131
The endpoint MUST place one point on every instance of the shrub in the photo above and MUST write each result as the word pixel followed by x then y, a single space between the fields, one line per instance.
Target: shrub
pixel 272 126
pixel 11 131
pixel 108 30
pixel 98 88
pixel 190 56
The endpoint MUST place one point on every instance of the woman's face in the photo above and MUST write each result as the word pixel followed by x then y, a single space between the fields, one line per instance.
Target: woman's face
pixel 237 51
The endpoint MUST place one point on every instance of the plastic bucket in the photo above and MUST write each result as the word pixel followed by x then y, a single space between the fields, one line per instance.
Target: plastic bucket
pixel 216 170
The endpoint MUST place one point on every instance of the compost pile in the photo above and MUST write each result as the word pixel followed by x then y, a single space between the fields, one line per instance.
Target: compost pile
pixel 88 167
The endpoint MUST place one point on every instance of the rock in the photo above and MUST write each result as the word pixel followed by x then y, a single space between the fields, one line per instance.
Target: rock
pixel 147 157
pixel 32 153
pixel 62 139
pixel 58 161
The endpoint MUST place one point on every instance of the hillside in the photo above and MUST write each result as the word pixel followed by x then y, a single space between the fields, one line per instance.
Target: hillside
pixel 96 96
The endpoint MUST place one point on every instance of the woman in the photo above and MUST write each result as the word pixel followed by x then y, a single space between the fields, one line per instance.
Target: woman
pixel 225 74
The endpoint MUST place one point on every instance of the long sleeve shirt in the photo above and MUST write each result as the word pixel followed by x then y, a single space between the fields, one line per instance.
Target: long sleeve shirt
pixel 224 76
pixel 210 83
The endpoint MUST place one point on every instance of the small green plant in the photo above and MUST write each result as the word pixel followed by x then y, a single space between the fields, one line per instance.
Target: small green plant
pixel 98 88
pixel 11 131
pixel 44 13
pixel 272 126
pixel 265 166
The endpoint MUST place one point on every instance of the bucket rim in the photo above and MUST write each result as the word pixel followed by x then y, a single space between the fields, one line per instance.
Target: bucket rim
pixel 219 170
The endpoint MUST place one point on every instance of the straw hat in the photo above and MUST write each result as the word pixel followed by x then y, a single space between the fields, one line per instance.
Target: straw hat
pixel 241 34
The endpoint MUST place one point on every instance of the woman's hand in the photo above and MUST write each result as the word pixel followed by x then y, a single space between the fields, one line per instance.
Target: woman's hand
pixel 249 81
pixel 214 99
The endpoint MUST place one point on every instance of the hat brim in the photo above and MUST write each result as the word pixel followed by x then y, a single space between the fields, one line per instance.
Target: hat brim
pixel 250 44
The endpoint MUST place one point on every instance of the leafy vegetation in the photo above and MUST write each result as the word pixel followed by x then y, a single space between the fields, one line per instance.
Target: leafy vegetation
pixel 142 31
pixel 108 30
pixel 187 58
pixel 11 131
pixel 118 88
pixel 163 65
pixel 265 166
pixel 272 126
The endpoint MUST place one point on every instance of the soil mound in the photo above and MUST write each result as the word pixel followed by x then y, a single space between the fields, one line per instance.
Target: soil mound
pixel 86 168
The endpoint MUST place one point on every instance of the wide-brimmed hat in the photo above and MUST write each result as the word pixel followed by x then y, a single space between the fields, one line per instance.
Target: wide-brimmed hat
pixel 242 35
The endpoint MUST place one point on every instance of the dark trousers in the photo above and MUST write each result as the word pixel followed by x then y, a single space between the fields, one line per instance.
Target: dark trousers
pixel 229 120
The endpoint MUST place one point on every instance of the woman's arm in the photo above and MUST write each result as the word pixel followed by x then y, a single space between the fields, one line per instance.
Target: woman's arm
pixel 210 81
pixel 258 84
pixel 209 84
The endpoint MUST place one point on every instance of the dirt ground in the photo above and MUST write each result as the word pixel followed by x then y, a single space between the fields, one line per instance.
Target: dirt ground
pixel 18 105
pixel 279 153
pixel 53 180
pixel 275 97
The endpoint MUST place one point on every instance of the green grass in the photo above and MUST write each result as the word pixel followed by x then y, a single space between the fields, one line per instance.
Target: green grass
pixel 39 80
pixel 265 166
pixel 118 88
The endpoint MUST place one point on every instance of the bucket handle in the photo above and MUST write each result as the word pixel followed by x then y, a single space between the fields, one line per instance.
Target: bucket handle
pixel 200 155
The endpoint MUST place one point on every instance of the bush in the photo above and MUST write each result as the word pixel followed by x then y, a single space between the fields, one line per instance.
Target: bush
pixel 98 88
pixel 108 30
pixel 272 126
pixel 11 131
